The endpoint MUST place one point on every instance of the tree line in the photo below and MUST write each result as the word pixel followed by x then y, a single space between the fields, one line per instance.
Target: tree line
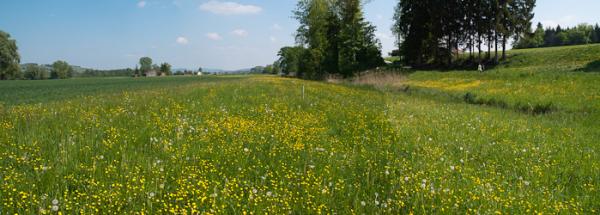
pixel 437 31
pixel 333 39
pixel 557 36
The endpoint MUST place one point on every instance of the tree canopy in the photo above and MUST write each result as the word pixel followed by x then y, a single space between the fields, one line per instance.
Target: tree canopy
pixel 165 69
pixel 557 36
pixel 61 70
pixel 145 64
pixel 36 72
pixel 9 57
pixel 433 31
pixel 333 38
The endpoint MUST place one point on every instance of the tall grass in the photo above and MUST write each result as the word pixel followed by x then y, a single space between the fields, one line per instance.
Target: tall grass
pixel 257 145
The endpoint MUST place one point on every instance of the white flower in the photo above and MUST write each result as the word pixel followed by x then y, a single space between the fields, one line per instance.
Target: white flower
pixel 406 178
pixel 526 183
pixel 311 166
pixel 376 202
pixel 254 190
pixel 246 150
pixel 269 193
pixel 452 168
pixel 54 208
pixel 387 172
pixel 151 194
pixel 363 203
pixel 55 201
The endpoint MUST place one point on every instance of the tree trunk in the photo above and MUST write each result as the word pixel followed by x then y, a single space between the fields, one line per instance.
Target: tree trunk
pixel 489 43
pixel 503 47
pixel 479 46
pixel 496 47
pixel 449 50
pixel 470 48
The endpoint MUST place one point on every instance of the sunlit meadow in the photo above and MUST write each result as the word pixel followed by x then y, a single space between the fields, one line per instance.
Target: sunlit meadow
pixel 258 144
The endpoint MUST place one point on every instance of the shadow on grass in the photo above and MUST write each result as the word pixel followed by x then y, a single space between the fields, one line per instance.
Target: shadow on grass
pixel 593 66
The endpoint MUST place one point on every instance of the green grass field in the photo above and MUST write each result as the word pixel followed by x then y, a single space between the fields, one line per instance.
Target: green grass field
pixel 258 144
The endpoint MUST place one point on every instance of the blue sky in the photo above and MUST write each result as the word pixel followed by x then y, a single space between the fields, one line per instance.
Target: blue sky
pixel 227 34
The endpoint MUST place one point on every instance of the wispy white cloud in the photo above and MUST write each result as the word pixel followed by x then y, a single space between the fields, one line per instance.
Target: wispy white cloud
pixel 229 8
pixel 240 32
pixel 214 36
pixel 182 40
pixel 141 4
pixel 273 39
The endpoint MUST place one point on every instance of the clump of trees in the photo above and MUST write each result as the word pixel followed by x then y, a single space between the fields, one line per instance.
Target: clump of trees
pixel 107 73
pixel 581 34
pixel 333 38
pixel 36 72
pixel 9 58
pixel 433 32
pixel 61 70
pixel 146 68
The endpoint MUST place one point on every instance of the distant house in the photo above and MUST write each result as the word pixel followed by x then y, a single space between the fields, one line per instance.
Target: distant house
pixel 151 73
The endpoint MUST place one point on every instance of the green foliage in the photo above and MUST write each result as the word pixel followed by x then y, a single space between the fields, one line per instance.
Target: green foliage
pixel 579 35
pixel 108 73
pixel 429 32
pixel 337 38
pixel 61 70
pixel 36 72
pixel 165 69
pixel 9 58
pixel 145 64
pixel 289 59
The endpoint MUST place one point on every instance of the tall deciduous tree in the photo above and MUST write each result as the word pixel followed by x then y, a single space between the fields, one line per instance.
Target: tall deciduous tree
pixel 165 69
pixel 9 57
pixel 145 64
pixel 337 38
pixel 61 70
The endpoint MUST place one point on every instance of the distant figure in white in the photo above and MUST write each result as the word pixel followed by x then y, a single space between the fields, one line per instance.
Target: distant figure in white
pixel 481 68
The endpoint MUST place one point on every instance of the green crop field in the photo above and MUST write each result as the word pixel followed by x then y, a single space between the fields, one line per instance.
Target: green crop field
pixel 522 138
